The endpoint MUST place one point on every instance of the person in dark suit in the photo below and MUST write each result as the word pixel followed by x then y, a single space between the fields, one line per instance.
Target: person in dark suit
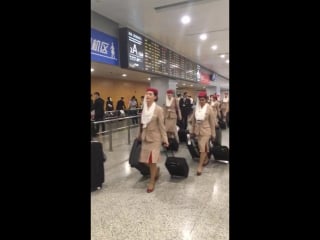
pixel 98 107
pixel 186 109
pixel 109 104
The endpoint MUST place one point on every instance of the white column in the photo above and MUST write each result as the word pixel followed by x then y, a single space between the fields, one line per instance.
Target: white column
pixel 162 84
pixel 211 90
pixel 218 90
pixel 173 85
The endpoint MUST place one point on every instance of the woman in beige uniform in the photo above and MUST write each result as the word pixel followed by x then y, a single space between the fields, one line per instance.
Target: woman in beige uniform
pixel 171 114
pixel 203 127
pixel 153 134
pixel 224 106
pixel 215 104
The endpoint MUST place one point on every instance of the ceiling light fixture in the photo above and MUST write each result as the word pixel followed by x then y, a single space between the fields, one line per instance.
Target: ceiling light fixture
pixel 203 36
pixel 222 56
pixel 92 69
pixel 124 75
pixel 214 47
pixel 227 61
pixel 185 19
pixel 149 78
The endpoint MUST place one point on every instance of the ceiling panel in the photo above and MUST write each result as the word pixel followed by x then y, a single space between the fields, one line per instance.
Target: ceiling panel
pixel 164 27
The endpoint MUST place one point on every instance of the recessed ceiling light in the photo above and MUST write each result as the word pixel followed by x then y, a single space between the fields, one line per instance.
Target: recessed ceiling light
pixel 214 47
pixel 184 84
pixel 191 85
pixel 222 56
pixel 227 61
pixel 92 69
pixel 124 75
pixel 185 19
pixel 149 78
pixel 203 36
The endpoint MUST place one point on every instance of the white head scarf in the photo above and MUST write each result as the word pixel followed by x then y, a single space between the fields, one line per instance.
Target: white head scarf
pixel 200 112
pixel 147 112
pixel 169 102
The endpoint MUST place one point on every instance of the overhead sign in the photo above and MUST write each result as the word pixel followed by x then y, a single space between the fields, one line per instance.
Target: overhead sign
pixel 104 48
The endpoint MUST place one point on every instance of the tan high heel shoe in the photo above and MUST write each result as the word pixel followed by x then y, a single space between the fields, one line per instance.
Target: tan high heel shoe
pixel 149 189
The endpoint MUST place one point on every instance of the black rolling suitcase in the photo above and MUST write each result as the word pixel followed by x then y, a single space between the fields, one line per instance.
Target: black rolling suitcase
pixel 173 143
pixel 220 153
pixel 97 167
pixel 177 166
pixel 192 145
pixel 217 140
pixel 222 124
pixel 134 159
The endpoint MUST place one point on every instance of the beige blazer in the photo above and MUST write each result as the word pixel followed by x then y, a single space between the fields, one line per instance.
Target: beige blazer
pixel 171 111
pixel 205 127
pixel 155 130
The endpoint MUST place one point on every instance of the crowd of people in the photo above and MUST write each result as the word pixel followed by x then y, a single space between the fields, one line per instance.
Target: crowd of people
pixel 200 118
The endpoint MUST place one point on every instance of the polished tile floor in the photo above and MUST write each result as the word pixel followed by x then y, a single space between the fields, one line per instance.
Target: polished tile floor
pixel 195 208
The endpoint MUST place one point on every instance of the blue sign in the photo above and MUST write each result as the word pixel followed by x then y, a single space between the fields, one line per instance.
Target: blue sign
pixel 104 48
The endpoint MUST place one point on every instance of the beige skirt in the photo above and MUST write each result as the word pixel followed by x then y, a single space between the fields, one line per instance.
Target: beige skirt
pixel 171 125
pixel 150 152
pixel 203 143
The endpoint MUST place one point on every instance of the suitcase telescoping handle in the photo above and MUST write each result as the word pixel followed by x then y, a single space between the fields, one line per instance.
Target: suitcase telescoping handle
pixel 166 151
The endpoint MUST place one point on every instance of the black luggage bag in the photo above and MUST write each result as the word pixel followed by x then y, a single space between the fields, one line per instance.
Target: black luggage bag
pixel 217 140
pixel 135 157
pixel 97 167
pixel 173 143
pixel 177 166
pixel 192 145
pixel 222 124
pixel 220 153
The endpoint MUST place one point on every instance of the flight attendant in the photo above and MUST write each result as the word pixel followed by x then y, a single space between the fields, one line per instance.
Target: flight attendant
pixel 203 124
pixel 224 107
pixel 153 134
pixel 172 113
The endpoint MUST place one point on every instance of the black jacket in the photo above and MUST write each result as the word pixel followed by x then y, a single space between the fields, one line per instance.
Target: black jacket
pixel 98 107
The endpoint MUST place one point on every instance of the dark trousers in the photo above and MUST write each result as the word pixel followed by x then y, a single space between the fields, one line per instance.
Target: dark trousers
pixel 97 125
pixel 184 121
pixel 133 113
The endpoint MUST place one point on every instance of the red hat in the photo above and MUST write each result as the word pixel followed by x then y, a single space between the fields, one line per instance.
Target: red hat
pixel 202 94
pixel 154 90
pixel 170 91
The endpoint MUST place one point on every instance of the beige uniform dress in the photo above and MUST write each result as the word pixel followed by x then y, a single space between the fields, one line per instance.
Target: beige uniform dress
pixel 152 137
pixel 170 117
pixel 204 129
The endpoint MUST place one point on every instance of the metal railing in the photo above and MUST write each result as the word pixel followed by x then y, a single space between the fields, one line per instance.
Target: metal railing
pixel 111 130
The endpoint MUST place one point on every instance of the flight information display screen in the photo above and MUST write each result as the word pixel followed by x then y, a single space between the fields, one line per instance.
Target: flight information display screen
pixel 140 53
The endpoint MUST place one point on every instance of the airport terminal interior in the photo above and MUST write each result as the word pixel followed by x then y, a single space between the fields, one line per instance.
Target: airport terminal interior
pixel 181 46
